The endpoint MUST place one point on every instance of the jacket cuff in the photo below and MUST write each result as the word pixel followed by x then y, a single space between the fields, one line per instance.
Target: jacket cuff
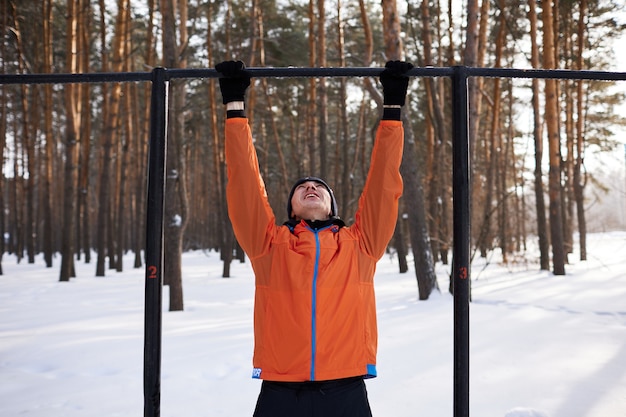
pixel 235 113
pixel 392 113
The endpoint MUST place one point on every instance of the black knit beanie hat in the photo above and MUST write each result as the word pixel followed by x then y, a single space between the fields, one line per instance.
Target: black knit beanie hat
pixel 333 202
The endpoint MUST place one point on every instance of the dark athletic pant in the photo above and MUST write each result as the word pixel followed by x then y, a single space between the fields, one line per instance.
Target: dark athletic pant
pixel 338 398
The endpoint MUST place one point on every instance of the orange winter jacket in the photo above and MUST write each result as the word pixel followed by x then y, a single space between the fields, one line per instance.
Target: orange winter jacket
pixel 314 312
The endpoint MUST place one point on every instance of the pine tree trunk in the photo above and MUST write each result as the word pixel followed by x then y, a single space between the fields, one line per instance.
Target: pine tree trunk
pixel 579 184
pixel 29 121
pixel 343 175
pixel 499 154
pixel 47 195
pixel 322 91
pixel 540 205
pixel 83 223
pixel 399 242
pixel 71 149
pixel 567 164
pixel 471 59
pixel 32 171
pixel 437 134
pixel 109 139
pixel 413 190
pixel 122 193
pixel 312 127
pixel 142 150
pixel 551 117
pixel 128 129
pixel 176 203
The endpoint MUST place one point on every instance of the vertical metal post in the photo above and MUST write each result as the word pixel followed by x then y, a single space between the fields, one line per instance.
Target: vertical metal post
pixel 154 244
pixel 461 245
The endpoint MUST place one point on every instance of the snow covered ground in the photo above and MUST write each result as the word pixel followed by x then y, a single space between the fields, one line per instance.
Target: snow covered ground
pixel 541 345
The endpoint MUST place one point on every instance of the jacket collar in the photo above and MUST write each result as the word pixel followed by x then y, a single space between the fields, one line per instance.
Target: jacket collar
pixel 315 224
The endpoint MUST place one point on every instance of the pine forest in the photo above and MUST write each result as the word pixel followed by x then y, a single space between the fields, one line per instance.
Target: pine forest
pixel 74 156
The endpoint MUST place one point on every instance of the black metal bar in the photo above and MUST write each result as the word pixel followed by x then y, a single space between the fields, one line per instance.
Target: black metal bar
pixel 95 77
pixel 297 72
pixel 300 72
pixel 564 74
pixel 461 239
pixel 154 244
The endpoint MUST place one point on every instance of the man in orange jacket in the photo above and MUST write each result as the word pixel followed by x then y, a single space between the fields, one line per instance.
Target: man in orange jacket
pixel 314 315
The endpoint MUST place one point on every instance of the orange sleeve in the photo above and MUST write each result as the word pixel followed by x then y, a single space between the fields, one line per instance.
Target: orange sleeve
pixel 248 208
pixel 378 205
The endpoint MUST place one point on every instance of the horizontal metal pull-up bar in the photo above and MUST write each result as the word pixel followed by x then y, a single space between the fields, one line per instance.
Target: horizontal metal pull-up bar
pixel 297 72
pixel 302 72
pixel 159 77
pixel 64 78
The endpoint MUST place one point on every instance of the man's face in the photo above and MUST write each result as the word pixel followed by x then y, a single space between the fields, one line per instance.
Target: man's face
pixel 311 201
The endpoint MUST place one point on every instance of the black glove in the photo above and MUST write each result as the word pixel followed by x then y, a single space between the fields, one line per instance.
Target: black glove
pixel 234 82
pixel 395 82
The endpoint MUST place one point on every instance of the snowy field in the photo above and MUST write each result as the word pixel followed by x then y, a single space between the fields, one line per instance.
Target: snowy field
pixel 541 345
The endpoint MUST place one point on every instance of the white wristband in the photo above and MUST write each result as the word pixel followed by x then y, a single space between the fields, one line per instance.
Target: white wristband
pixel 235 105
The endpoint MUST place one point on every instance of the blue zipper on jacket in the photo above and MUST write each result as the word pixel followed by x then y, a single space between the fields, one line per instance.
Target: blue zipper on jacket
pixel 314 303
pixel 314 299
